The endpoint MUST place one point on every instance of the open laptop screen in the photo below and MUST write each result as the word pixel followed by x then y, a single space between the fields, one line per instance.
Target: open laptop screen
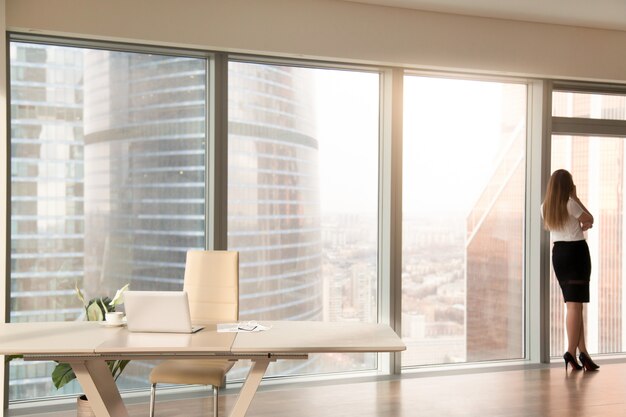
pixel 158 311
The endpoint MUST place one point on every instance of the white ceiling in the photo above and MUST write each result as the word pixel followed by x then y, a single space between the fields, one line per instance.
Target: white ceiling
pixel 606 14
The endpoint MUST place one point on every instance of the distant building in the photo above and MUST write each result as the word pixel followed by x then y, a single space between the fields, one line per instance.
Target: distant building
pixel 47 220
pixel 597 165
pixel 273 192
pixel 495 248
pixel 108 185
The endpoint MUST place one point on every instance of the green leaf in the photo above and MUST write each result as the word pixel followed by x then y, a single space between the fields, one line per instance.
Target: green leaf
pixel 118 368
pixel 105 302
pixel 79 294
pixel 62 374
pixel 94 311
pixel 104 308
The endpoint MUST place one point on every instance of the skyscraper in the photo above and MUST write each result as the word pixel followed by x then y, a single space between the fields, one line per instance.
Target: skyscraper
pixel 274 206
pixel 145 139
pixel 107 182
pixel 597 165
pixel 47 221
pixel 108 185
pixel 495 242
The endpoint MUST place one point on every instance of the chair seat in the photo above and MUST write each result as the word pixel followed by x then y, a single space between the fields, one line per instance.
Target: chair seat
pixel 191 371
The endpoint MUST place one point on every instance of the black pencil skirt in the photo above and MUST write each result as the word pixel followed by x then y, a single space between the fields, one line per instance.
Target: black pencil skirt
pixel 572 266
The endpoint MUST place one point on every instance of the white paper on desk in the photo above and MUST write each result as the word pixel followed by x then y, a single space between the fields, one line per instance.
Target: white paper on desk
pixel 241 327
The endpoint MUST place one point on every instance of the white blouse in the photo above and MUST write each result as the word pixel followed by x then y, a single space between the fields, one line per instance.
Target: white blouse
pixel 571 230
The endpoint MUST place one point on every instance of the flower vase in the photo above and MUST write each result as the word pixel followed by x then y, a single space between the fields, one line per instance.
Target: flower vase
pixel 83 409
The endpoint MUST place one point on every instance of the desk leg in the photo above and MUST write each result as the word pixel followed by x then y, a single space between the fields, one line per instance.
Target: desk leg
pixel 99 387
pixel 259 366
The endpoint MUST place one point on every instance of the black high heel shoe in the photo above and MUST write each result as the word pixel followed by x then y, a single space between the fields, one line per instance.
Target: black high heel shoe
pixel 588 364
pixel 569 359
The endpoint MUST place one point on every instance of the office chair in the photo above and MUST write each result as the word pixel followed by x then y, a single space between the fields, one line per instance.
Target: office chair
pixel 212 285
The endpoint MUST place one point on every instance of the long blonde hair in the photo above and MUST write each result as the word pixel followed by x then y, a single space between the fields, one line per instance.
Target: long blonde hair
pixel 559 189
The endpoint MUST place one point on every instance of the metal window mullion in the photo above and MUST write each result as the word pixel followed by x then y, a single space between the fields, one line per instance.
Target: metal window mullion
pixel 588 87
pixel 536 255
pixel 217 154
pixel 5 155
pixel 581 126
pixel 544 240
pixel 105 45
pixel 390 209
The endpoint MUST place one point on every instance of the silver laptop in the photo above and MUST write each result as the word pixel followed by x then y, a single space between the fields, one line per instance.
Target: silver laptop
pixel 158 311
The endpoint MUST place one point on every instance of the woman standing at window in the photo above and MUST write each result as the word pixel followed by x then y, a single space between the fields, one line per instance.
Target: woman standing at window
pixel 567 218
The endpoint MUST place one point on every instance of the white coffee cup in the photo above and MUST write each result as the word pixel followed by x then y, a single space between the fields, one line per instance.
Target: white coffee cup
pixel 114 318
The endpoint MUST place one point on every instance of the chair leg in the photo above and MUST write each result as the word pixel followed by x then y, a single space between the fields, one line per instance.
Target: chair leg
pixel 152 398
pixel 216 391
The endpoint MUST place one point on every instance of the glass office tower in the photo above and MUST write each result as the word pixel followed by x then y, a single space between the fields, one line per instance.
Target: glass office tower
pixel 299 258
pixel 597 165
pixel 145 130
pixel 108 187
pixel 47 197
pixel 274 204
pixel 495 244
pixel 107 183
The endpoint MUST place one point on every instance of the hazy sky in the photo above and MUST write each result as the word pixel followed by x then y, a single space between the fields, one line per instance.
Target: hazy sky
pixel 347 130
pixel 452 140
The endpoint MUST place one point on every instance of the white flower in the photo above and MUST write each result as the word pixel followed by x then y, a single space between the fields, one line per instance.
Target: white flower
pixel 118 296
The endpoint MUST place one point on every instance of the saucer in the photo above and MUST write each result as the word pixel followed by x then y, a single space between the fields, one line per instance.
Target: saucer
pixel 105 324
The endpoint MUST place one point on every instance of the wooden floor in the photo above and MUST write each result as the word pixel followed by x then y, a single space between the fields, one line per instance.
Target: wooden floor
pixel 548 391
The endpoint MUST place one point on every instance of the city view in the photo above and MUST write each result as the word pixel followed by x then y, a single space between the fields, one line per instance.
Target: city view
pixel 597 166
pixel 463 205
pixel 433 289
pixel 108 187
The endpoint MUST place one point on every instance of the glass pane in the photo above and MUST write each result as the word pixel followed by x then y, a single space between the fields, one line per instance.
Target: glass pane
pixel 463 220
pixel 592 106
pixel 303 199
pixel 597 165
pixel 107 184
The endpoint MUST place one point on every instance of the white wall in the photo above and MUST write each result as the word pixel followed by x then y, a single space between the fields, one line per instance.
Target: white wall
pixel 335 29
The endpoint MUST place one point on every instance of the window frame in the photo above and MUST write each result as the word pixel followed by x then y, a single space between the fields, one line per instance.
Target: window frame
pixel 532 346
pixel 385 361
pixel 575 126
pixel 389 180
pixel 208 57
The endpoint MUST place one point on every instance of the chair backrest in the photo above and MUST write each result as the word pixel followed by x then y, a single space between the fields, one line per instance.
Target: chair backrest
pixel 212 285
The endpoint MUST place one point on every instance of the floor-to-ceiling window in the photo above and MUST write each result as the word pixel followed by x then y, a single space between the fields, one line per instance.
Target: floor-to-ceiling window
pixel 588 140
pixel 463 220
pixel 107 183
pixel 303 198
pixel 108 167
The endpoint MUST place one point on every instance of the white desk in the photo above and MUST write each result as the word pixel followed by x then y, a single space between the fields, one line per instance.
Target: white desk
pixel 86 346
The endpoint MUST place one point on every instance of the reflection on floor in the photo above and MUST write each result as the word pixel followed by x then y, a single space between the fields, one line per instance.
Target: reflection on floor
pixel 547 391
